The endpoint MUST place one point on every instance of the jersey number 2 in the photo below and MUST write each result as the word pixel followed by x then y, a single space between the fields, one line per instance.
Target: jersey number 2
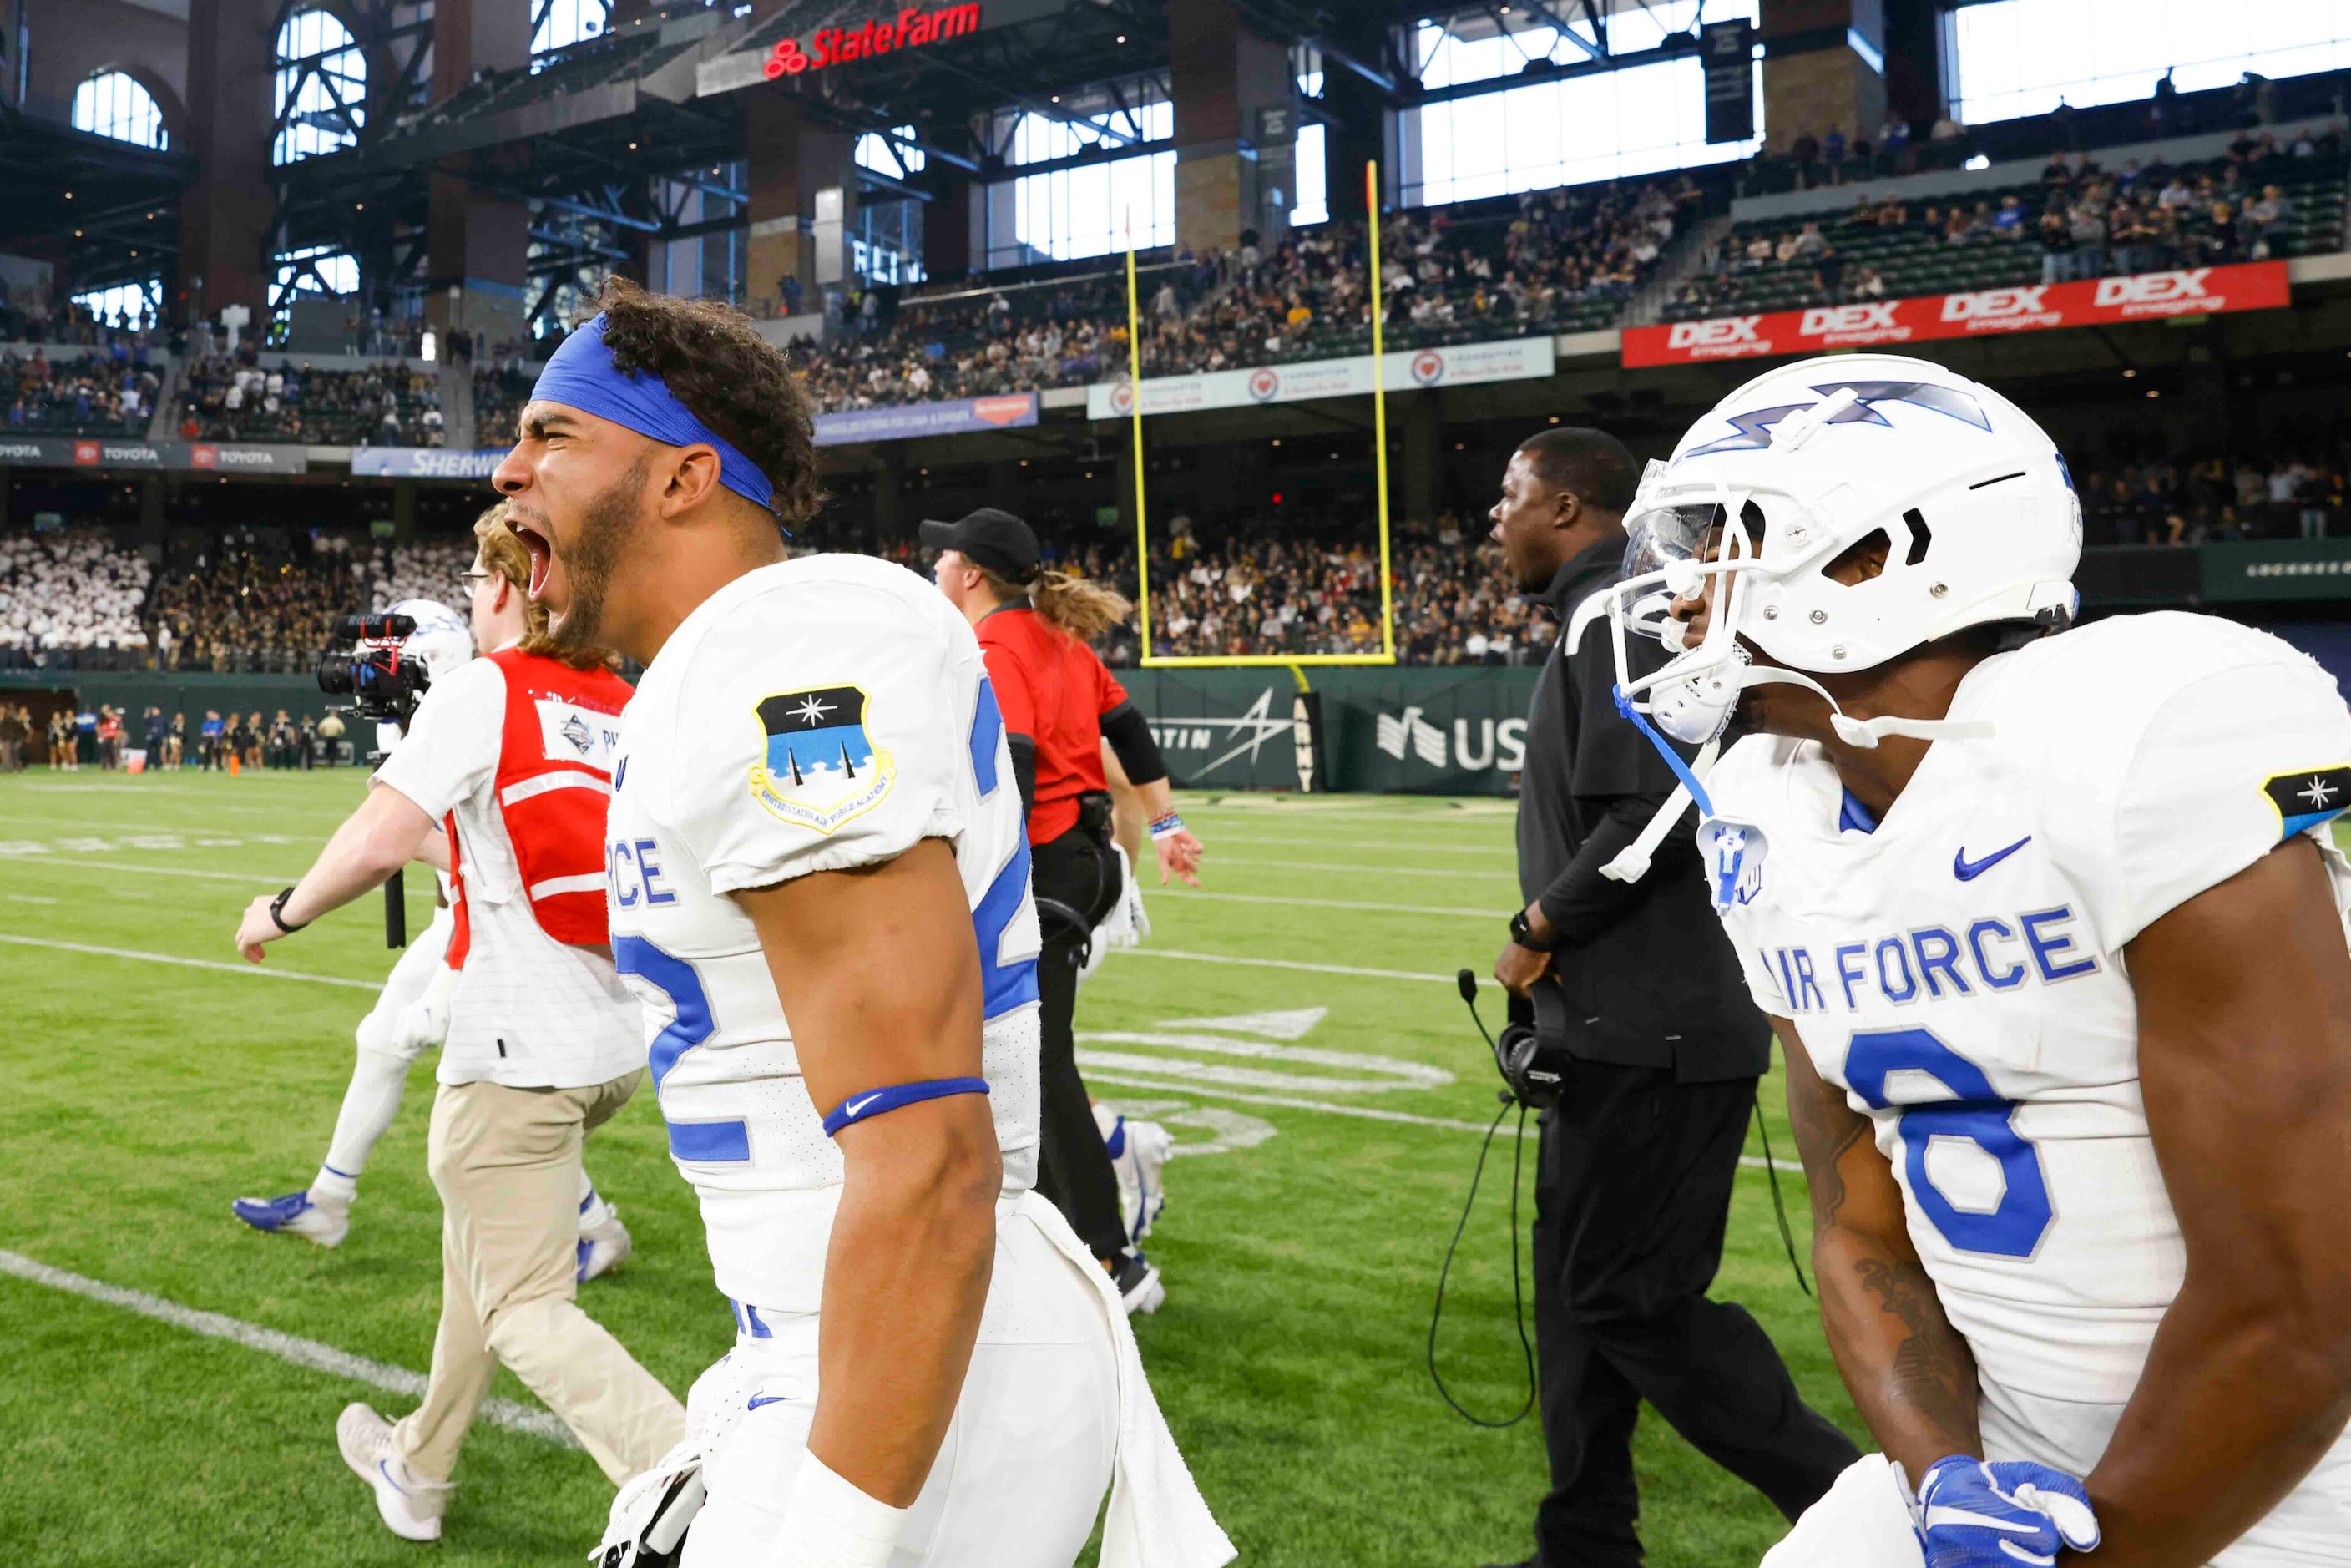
pixel 2014 1228
pixel 714 1142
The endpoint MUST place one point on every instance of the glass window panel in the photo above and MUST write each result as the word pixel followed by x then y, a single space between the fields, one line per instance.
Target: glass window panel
pixel 113 104
pixel 2023 57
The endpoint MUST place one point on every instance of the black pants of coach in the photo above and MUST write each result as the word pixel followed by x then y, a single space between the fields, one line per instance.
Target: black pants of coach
pixel 1632 1193
pixel 1073 1169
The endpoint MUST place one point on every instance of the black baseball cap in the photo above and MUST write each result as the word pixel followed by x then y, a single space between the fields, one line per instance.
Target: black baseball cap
pixel 990 538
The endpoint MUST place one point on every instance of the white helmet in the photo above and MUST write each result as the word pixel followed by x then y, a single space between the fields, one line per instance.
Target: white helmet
pixel 1977 510
pixel 441 638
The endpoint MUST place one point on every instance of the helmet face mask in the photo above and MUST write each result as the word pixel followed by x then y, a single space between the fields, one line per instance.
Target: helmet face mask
pixel 1967 499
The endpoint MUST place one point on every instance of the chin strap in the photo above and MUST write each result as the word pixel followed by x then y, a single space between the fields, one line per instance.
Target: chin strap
pixel 1864 734
pixel 1632 863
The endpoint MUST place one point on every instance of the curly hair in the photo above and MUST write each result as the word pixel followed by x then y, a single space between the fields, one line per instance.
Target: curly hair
pixel 727 376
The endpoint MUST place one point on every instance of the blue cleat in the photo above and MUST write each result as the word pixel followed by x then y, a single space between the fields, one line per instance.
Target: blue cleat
pixel 297 1215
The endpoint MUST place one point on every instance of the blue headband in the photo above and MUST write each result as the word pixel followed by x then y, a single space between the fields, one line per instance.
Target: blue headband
pixel 581 375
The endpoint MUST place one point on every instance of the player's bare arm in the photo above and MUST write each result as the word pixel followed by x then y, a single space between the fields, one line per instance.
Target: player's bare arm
pixel 1910 1370
pixel 385 834
pixel 878 972
pixel 2244 1000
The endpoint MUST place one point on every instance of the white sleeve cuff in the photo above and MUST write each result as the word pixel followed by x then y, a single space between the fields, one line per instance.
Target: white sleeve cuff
pixel 831 1524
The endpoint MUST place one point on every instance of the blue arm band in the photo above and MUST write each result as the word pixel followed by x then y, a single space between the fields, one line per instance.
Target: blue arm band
pixel 875 1103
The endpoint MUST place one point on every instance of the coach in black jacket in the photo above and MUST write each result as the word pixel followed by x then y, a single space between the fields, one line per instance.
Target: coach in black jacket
pixel 1636 1167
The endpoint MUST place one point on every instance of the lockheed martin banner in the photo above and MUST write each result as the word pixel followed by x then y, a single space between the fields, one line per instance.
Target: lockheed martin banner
pixel 2101 302
pixel 902 422
pixel 1518 358
pixel 122 451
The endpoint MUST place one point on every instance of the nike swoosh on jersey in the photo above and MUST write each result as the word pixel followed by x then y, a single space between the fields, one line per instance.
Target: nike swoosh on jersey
pixel 1967 870
pixel 759 1399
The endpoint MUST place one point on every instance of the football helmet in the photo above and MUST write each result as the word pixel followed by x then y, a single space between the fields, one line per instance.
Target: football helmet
pixel 1971 503
pixel 443 639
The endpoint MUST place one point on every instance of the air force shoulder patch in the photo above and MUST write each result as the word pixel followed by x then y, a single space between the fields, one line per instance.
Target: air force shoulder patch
pixel 822 767
pixel 2308 797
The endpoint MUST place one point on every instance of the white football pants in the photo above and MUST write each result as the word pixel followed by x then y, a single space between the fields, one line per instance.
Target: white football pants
pixel 1026 1458
pixel 380 1073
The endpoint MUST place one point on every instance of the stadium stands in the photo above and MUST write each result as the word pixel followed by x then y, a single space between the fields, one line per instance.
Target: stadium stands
pixel 1553 261
pixel 2272 195
pixel 389 404
pixel 98 395
pixel 70 591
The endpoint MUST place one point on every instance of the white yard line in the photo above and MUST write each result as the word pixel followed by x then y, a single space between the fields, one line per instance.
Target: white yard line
pixel 1171 895
pixel 1362 841
pixel 1276 964
pixel 304 1353
pixel 1216 861
pixel 74 862
pixel 1365 1113
pixel 259 971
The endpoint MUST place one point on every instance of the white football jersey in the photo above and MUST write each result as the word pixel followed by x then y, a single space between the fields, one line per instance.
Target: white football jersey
pixel 1959 970
pixel 811 716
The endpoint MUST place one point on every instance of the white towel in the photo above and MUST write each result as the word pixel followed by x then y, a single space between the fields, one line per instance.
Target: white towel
pixel 1863 1521
pixel 1157 1518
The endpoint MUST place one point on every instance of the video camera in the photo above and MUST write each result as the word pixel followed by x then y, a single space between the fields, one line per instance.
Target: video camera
pixel 370 667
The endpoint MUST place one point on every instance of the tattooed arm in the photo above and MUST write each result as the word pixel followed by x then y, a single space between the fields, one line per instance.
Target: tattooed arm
pixel 1910 1371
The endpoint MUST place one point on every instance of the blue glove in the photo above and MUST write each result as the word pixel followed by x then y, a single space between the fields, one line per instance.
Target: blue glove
pixel 1978 1514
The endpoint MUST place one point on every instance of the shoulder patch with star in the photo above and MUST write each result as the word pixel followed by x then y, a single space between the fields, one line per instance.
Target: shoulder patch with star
pixel 822 767
pixel 2307 797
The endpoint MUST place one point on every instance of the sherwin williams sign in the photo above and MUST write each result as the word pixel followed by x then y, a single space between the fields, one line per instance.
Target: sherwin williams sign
pixel 962 417
pixel 1461 364
pixel 2035 308
pixel 424 463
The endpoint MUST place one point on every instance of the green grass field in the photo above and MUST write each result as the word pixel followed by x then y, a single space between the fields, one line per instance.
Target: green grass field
pixel 1300 1249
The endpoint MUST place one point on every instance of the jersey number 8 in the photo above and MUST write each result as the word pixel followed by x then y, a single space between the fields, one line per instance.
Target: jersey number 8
pixel 2014 1228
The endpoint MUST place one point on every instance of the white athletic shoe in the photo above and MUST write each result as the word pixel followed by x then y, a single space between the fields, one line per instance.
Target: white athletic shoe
pixel 1138 1153
pixel 297 1214
pixel 410 1505
pixel 603 1245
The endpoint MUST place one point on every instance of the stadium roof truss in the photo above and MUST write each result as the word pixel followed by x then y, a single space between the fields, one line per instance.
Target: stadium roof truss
pixel 102 211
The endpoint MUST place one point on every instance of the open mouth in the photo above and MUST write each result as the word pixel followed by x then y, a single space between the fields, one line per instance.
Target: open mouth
pixel 543 556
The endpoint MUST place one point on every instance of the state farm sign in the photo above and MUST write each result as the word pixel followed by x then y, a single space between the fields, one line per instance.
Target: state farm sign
pixel 2253 286
pixel 836 45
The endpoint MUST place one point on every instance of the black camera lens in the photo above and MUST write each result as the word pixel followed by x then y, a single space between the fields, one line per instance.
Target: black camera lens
pixel 334 674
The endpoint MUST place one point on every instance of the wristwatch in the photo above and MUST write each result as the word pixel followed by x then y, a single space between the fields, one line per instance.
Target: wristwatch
pixel 278 914
pixel 1524 936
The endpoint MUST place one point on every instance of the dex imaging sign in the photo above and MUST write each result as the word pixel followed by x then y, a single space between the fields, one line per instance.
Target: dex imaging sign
pixel 2024 307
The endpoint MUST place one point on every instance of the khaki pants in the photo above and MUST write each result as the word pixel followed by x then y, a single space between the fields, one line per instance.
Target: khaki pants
pixel 506 1165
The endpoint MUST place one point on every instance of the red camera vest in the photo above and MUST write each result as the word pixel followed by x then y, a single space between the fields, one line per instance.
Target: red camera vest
pixel 553 789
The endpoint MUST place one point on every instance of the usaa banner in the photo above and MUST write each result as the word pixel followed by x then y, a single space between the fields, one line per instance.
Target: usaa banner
pixel 1446 732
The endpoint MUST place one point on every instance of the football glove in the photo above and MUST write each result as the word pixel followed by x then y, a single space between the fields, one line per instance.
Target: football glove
pixel 1974 1513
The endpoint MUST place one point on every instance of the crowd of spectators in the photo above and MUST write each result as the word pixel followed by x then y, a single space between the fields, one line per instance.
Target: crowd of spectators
pixel 2083 221
pixel 99 394
pixel 74 590
pixel 225 398
pixel 1543 262
pixel 499 393
pixel 2158 500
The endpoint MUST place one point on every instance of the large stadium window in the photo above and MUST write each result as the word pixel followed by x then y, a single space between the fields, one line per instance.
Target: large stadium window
pixel 321 87
pixel 891 155
pixel 558 24
pixel 315 272
pixel 1065 213
pixel 112 103
pixel 1308 157
pixel 1641 119
pixel 129 303
pixel 2023 57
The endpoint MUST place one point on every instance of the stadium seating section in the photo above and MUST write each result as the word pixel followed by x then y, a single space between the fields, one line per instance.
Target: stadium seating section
pixel 2265 199
pixel 390 404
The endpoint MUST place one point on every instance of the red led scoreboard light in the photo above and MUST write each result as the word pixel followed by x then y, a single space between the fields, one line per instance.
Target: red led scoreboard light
pixel 836 45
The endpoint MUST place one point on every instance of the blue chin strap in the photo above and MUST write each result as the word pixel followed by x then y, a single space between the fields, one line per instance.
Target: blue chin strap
pixel 1666 749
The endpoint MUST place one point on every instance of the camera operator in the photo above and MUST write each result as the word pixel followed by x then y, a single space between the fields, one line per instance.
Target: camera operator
pixel 512 751
pixel 1637 997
